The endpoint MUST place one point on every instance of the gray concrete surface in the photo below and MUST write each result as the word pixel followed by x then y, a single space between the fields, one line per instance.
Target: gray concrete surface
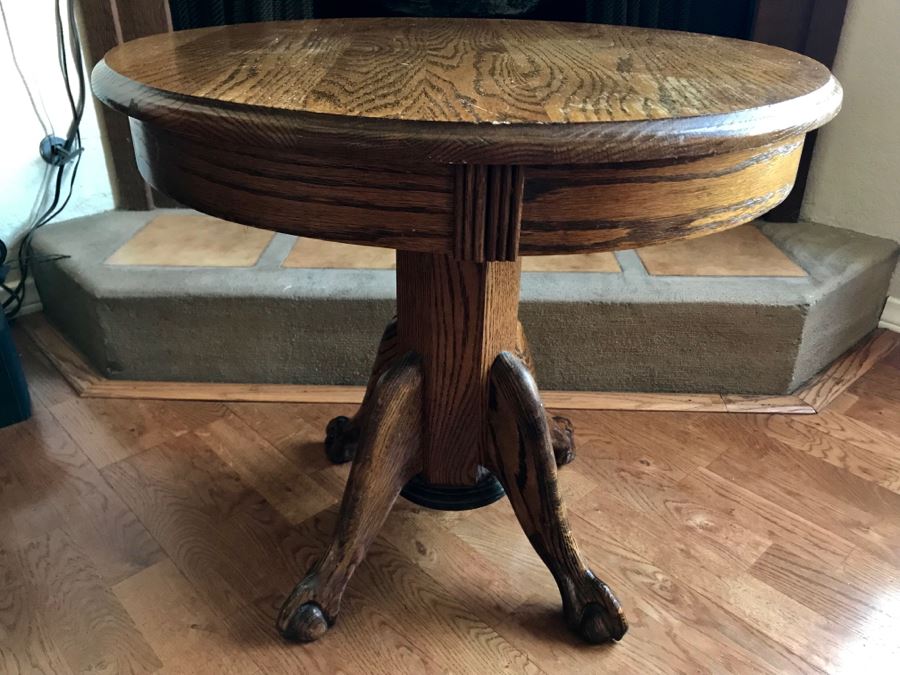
pixel 628 331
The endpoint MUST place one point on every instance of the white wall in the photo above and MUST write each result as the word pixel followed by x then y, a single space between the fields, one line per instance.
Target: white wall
pixel 21 168
pixel 855 177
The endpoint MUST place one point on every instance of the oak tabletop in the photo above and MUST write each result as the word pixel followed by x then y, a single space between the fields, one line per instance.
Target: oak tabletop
pixel 482 79
pixel 482 139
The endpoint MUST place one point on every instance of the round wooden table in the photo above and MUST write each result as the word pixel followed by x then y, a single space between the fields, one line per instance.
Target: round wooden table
pixel 464 144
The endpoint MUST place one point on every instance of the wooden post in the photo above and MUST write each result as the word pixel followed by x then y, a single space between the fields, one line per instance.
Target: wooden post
pixel 458 315
pixel 103 24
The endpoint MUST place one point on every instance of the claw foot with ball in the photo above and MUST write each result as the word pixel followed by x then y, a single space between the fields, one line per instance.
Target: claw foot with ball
pixel 592 611
pixel 341 439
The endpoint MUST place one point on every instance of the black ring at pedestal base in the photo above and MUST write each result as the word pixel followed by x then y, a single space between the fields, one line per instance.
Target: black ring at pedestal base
pixel 453 497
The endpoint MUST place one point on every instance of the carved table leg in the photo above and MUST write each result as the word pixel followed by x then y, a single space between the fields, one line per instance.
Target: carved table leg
pixel 521 457
pixel 562 433
pixel 388 456
pixel 342 433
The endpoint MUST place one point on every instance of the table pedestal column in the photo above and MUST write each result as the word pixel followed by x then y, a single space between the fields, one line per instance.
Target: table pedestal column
pixel 458 315
pixel 453 418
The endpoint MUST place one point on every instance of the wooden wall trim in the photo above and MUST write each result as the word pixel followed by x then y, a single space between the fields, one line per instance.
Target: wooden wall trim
pixel 103 24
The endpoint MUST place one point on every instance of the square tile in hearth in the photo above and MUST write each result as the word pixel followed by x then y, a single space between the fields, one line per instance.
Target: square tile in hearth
pixel 740 252
pixel 319 254
pixel 192 240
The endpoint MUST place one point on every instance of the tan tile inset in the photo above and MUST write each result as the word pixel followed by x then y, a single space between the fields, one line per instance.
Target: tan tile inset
pixel 740 252
pixel 190 240
pixel 315 253
pixel 319 254
pixel 578 262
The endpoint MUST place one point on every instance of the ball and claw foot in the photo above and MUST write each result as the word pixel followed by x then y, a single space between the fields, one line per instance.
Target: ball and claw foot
pixel 341 439
pixel 601 620
pixel 307 623
pixel 562 434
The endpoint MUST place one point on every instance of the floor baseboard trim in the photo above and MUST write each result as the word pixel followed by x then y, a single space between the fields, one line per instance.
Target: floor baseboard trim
pixel 890 317
pixel 812 398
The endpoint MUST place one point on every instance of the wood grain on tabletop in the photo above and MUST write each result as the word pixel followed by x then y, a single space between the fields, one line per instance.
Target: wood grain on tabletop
pixel 557 81
pixel 495 71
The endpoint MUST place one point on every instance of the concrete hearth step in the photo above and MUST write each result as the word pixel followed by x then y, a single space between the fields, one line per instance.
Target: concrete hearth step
pixel 173 295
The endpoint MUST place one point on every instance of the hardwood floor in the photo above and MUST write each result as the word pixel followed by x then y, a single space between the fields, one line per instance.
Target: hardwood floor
pixel 141 536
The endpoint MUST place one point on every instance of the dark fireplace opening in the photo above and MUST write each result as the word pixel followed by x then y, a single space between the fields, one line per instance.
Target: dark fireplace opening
pixel 733 18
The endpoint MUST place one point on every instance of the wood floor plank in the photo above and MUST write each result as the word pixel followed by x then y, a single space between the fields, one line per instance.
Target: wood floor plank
pixel 689 618
pixel 10 570
pixel 260 465
pixel 223 536
pixel 643 482
pixel 831 592
pixel 855 510
pixel 880 382
pixel 389 616
pixel 110 430
pixel 704 534
pixel 709 576
pixel 296 430
pixel 893 357
pixel 618 432
pixel 187 636
pixel 417 603
pixel 368 641
pixel 877 467
pixel 764 517
pixel 880 579
pixel 624 400
pixel 416 596
pixel 878 411
pixel 800 473
pixel 837 425
pixel 45 385
pixel 26 647
pixel 24 513
pixel 50 483
pixel 861 595
pixel 90 627
pixel 800 632
pixel 661 648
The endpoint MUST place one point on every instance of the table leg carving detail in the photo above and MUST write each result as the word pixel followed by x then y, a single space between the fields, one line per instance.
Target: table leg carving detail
pixel 388 456
pixel 562 433
pixel 342 433
pixel 562 437
pixel 521 457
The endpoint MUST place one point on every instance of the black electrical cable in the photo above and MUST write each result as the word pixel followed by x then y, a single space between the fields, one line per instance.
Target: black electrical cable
pixel 24 257
pixel 71 155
